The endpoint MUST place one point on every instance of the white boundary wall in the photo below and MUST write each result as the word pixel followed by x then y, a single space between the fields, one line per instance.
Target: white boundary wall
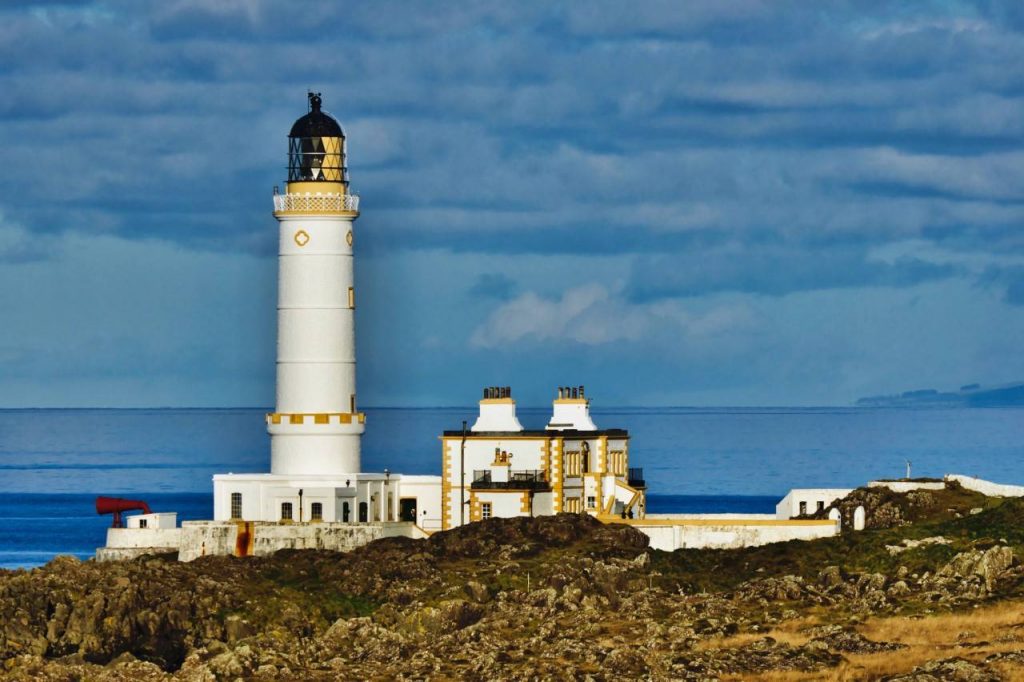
pixel 731 534
pixel 907 486
pixel 987 487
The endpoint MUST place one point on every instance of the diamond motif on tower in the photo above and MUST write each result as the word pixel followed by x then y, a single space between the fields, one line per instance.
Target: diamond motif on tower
pixel 301 237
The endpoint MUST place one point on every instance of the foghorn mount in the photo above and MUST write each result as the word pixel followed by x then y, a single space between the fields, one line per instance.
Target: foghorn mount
pixel 118 505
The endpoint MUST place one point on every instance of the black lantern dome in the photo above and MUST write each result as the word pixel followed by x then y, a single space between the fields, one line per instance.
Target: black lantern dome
pixel 316 147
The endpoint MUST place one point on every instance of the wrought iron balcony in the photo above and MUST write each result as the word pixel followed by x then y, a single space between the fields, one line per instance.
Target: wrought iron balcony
pixel 636 477
pixel 535 479
pixel 316 203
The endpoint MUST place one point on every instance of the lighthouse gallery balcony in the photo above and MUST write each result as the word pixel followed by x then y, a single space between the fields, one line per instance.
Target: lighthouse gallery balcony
pixel 316 203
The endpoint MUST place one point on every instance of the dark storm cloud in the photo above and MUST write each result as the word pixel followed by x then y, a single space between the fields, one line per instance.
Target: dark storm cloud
pixel 773 270
pixel 1007 279
pixel 494 285
pixel 587 128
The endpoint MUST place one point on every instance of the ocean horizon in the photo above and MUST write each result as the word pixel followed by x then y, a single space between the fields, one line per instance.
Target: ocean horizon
pixel 55 461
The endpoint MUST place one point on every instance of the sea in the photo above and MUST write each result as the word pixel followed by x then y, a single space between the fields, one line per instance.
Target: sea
pixel 54 462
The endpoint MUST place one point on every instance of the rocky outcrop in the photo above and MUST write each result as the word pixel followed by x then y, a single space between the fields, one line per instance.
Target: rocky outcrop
pixel 553 597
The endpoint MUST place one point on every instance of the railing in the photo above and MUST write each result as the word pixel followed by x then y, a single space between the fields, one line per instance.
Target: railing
pixel 636 477
pixel 535 479
pixel 316 203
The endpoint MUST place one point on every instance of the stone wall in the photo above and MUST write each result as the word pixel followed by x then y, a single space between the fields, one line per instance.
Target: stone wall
pixel 907 486
pixel 987 487
pixel 670 535
pixel 204 538
pixel 130 543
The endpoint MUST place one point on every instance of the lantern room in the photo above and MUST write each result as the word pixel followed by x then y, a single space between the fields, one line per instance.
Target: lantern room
pixel 316 147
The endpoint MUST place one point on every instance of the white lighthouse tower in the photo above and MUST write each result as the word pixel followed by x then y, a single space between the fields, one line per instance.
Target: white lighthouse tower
pixel 316 428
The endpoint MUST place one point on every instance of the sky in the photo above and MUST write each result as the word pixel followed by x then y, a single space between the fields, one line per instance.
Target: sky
pixel 699 203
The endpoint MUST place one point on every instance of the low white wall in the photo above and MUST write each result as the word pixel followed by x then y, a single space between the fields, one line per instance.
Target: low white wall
pixel 907 486
pixel 207 538
pixel 987 487
pixel 157 520
pixel 166 538
pixel 706 534
pixel 748 517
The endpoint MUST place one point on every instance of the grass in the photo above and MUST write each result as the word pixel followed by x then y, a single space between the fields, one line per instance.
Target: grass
pixel 971 635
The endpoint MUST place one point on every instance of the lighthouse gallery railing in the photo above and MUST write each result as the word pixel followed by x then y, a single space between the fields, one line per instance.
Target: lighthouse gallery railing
pixel 316 203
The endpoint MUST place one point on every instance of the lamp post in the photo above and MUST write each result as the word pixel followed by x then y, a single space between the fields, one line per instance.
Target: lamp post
pixel 300 505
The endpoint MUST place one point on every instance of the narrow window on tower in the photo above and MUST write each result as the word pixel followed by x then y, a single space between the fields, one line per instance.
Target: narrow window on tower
pixel 352 297
pixel 352 403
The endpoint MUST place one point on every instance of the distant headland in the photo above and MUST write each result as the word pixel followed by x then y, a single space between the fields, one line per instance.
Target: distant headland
pixel 971 395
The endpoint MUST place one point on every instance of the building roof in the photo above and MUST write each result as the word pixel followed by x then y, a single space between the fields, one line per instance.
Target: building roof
pixel 316 123
pixel 540 433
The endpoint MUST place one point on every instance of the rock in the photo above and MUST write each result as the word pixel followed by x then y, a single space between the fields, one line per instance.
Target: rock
pixel 907 543
pixel 837 638
pixel 948 670
pixel 987 565
pixel 236 628
pixel 477 592
pixel 830 576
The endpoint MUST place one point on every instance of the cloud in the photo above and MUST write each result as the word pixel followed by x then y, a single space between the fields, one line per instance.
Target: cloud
pixel 493 285
pixel 18 245
pixel 592 315
pixel 774 269
pixel 585 177
pixel 1009 279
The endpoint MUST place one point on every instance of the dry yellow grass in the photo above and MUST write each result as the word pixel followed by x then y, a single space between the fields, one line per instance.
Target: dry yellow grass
pixel 972 635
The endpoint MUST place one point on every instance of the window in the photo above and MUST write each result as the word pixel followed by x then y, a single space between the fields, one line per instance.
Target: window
pixel 591 501
pixel 572 505
pixel 821 505
pixel 618 462
pixel 316 511
pixel 143 523
pixel 485 510
pixel 344 512
pixel 236 505
pixel 286 511
pixel 803 508
pixel 352 403
pixel 363 509
pixel 573 463
pixel 351 297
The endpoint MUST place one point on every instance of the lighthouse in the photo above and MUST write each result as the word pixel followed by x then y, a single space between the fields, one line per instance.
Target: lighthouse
pixel 316 427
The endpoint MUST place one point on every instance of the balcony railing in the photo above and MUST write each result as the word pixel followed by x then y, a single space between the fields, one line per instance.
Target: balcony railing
pixel 535 479
pixel 636 477
pixel 316 203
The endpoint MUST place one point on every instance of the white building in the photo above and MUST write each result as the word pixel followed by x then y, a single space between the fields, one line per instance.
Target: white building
pixel 316 428
pixel 498 468
pixel 804 501
pixel 316 494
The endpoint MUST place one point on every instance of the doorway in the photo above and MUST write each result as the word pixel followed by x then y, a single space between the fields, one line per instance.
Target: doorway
pixel 407 509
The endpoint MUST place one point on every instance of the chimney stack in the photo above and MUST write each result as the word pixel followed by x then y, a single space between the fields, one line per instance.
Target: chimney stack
pixel 497 411
pixel 571 410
